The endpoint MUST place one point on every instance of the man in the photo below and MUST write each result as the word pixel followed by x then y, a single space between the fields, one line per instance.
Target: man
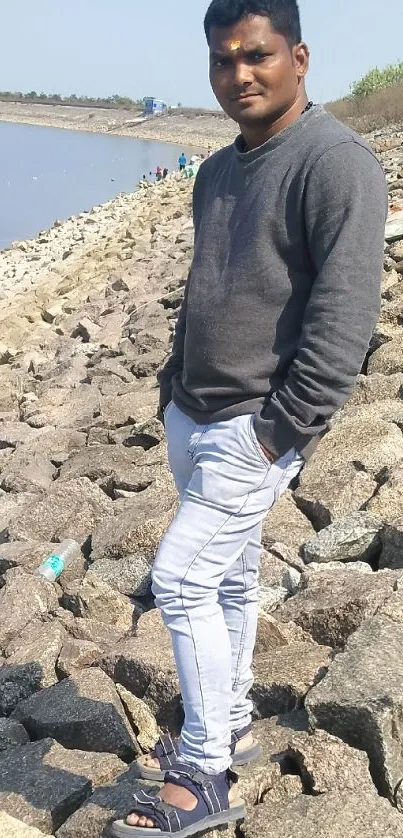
pixel 182 161
pixel 279 308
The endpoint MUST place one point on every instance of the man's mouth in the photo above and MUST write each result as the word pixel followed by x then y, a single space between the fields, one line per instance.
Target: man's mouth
pixel 243 97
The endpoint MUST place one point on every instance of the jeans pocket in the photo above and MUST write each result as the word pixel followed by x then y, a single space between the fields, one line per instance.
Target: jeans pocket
pixel 256 444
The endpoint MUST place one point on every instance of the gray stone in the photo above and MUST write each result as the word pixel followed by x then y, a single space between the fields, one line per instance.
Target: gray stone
pixel 27 473
pixel 355 537
pixel 26 555
pixel 12 734
pixel 129 575
pixel 284 676
pixel 12 828
pixel 99 463
pixel 285 523
pixel 106 805
pixel 31 667
pixel 145 665
pixel 334 815
pixel 36 792
pixel 141 718
pixel 333 605
pixel 361 699
pixel 70 510
pixel 63 407
pixel 327 764
pixel 77 654
pixel 83 711
pixel 23 598
pixel 137 406
pixel 274 572
pixel 57 444
pixel 12 505
pixel 136 531
pixel 388 359
pixel 94 599
pixel 327 492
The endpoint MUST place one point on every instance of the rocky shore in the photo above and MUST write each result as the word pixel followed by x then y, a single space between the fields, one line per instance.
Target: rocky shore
pixel 87 677
pixel 197 129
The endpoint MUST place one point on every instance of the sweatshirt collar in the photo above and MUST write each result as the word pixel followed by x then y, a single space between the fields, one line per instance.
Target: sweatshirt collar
pixel 293 131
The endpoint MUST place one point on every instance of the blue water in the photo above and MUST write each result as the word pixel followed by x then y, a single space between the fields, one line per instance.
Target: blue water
pixel 49 173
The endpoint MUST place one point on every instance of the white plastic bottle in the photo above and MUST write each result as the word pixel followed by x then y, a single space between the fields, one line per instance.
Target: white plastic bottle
pixel 57 562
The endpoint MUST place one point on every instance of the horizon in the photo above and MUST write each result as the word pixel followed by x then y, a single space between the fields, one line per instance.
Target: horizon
pixel 128 49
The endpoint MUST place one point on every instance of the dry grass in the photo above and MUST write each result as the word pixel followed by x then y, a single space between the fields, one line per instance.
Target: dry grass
pixel 368 113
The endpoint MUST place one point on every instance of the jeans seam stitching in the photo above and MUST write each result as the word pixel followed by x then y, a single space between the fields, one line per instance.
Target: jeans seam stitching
pixel 243 631
pixel 198 441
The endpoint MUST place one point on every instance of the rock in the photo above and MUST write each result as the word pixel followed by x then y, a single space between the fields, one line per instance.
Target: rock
pixel 13 434
pixel 339 478
pixel 334 605
pixel 106 805
pixel 135 533
pixel 10 506
pixel 26 555
pixel 75 409
pixel 99 463
pixel 70 510
pixel 287 524
pixel 27 473
pixel 57 444
pixel 388 359
pixel 35 792
pixel 103 634
pixel 334 815
pixel 12 828
pixel 141 719
pixel 327 764
pixel 22 599
pixel 128 409
pixel 145 665
pixel 12 734
pixel 387 410
pixel 275 572
pixel 96 600
pixel 271 634
pixel 130 575
pixel 284 676
pixel 337 567
pixel 43 783
pixel 360 700
pixel 88 330
pixel 31 667
pixel 77 654
pixel 83 711
pixel 355 537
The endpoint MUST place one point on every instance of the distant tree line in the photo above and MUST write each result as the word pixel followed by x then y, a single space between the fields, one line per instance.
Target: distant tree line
pixel 33 97
pixel 378 80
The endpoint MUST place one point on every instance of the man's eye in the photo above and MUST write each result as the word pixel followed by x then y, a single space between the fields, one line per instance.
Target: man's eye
pixel 219 62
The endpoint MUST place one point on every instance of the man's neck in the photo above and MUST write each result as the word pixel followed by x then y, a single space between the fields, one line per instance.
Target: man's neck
pixel 255 136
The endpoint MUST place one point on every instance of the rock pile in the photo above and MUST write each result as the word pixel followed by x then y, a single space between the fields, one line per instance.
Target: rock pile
pixel 87 676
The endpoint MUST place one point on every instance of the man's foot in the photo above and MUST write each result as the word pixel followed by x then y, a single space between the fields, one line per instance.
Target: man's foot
pixel 151 761
pixel 175 795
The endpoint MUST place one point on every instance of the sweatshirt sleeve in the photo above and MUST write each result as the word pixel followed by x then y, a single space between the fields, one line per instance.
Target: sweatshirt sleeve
pixel 345 214
pixel 174 363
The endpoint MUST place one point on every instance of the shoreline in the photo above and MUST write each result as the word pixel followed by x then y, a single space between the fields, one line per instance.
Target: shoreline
pixel 200 132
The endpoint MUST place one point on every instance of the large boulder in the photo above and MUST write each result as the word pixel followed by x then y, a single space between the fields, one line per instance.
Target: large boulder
pixel 353 538
pixel 361 698
pixel 31 667
pixel 145 665
pixel 96 600
pixel 12 734
pixel 335 815
pixel 377 387
pixel 388 359
pixel 71 509
pixel 42 783
pixel 334 604
pixel 286 524
pixel 12 828
pixel 284 675
pixel 23 598
pixel 83 711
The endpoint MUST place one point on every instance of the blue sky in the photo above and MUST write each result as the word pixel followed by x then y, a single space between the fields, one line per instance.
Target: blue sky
pixel 157 47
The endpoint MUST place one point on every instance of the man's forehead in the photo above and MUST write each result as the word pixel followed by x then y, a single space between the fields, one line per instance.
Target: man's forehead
pixel 250 33
pixel 232 45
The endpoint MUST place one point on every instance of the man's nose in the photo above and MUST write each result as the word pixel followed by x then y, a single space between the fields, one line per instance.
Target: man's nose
pixel 243 74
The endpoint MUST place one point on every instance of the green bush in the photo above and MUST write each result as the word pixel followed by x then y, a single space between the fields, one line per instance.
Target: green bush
pixel 378 80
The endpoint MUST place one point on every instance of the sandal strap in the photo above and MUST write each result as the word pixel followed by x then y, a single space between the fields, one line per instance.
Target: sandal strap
pixel 213 790
pixel 237 735
pixel 167 751
pixel 164 816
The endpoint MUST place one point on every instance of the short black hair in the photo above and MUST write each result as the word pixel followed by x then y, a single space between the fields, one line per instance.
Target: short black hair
pixel 284 15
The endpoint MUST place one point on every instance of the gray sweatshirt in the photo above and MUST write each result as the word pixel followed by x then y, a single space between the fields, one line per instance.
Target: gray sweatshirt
pixel 284 288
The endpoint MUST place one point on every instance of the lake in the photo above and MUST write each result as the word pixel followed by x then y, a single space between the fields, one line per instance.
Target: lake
pixel 50 173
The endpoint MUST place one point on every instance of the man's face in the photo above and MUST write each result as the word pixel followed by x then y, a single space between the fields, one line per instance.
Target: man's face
pixel 254 73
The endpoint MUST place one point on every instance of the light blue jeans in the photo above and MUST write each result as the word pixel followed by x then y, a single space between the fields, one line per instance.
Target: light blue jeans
pixel 205 577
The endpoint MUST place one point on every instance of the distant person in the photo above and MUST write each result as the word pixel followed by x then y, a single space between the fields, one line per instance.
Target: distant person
pixel 165 173
pixel 182 162
pixel 158 173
